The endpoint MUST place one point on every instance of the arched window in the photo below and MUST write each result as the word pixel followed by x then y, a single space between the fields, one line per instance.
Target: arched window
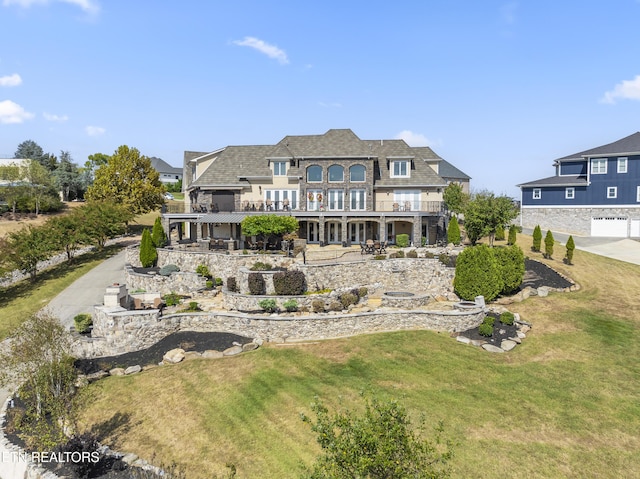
pixel 357 173
pixel 314 174
pixel 336 173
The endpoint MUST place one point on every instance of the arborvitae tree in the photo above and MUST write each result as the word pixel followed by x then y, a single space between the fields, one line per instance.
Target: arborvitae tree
pixel 513 232
pixel 158 236
pixel 453 232
pixel 537 238
pixel 570 247
pixel 478 273
pixel 512 267
pixel 500 233
pixel 548 245
pixel 148 253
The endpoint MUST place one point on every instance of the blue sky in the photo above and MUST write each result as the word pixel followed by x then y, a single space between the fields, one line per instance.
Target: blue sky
pixel 498 88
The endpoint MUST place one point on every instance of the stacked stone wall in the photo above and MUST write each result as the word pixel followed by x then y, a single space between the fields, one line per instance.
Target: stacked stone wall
pixel 180 282
pixel 570 220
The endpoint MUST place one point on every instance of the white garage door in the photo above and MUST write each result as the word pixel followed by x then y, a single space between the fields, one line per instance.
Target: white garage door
pixel 634 231
pixel 611 226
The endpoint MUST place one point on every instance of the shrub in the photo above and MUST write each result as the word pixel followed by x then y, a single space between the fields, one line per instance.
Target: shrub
pixel 289 283
pixel 429 255
pixel 402 240
pixel 423 241
pixel 412 254
pixel 537 238
pixel 444 259
pixel 397 254
pixel 256 284
pixel 511 263
pixel 209 284
pixel 193 306
pixel 290 305
pixel 499 236
pixel 260 266
pixel 203 270
pixel 218 281
pixel 158 236
pixel 232 285
pixel 335 306
pixel 269 305
pixel 82 322
pixel 347 299
pixel 548 244
pixel 513 231
pixel 490 320
pixel 570 247
pixel 317 305
pixel 477 273
pixel 486 330
pixel 167 269
pixel 148 253
pixel 171 299
pixel 507 318
pixel 453 232
pixel 380 256
pixel 362 292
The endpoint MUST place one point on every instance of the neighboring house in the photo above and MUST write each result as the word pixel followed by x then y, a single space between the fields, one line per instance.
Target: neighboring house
pixel 593 193
pixel 15 163
pixel 341 189
pixel 168 173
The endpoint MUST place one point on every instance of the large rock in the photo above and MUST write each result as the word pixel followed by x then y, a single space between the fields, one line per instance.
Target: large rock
pixel 492 349
pixel 97 375
pixel 133 369
pixel 463 339
pixel 212 354
pixel 232 351
pixel 174 356
pixel 192 355
pixel 249 347
pixel 508 345
pixel 116 372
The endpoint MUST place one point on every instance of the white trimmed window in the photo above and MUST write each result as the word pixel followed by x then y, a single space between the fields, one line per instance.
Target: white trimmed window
pixel 336 200
pixel 599 167
pixel 357 173
pixel 400 169
pixel 569 193
pixel 314 174
pixel 336 173
pixel 357 200
pixel 281 199
pixel 612 192
pixel 279 168
pixel 537 193
pixel 622 164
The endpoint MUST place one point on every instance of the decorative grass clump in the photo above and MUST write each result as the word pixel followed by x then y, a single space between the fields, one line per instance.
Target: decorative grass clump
pixel 507 318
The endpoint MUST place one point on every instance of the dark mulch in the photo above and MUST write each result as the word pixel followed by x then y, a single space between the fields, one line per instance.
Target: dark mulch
pixel 187 340
pixel 538 274
pixel 500 332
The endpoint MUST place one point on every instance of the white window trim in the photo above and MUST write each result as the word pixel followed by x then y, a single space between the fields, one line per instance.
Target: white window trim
pixel 329 174
pixel 610 190
pixel 358 181
pixel 314 181
pixel 338 197
pixel 638 194
pixel 623 160
pixel 570 193
pixel 356 193
pixel 536 193
pixel 393 167
pixel 598 161
pixel 284 165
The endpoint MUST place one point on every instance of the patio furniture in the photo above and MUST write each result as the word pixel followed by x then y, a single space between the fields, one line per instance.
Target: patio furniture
pixel 382 247
pixel 370 247
pixel 396 207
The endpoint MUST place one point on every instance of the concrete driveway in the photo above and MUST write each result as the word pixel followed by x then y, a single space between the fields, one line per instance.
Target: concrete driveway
pixel 622 249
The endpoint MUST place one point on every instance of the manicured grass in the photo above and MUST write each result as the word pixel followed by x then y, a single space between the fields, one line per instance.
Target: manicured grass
pixel 562 404
pixel 25 298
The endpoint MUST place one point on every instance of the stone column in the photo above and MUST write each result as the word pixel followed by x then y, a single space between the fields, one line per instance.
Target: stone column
pixel 417 230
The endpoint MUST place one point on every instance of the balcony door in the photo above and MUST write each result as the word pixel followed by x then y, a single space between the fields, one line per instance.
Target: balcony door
pixel 408 200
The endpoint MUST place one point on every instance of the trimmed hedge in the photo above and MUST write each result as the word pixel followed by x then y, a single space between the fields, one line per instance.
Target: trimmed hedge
pixel 256 284
pixel 289 283
pixel 402 240
pixel 511 262
pixel 477 273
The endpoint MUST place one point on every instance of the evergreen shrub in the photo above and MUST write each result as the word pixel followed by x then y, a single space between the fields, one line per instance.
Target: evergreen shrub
pixel 167 269
pixel 260 266
pixel 485 330
pixel 548 245
pixel 477 274
pixel 348 299
pixel 290 305
pixel 203 270
pixel 500 234
pixel 511 263
pixel 412 254
pixel 317 305
pixel 256 284
pixel 507 318
pixel 402 240
pixel 232 284
pixel 269 305
pixel 289 283
pixel 148 253
pixel 82 322
pixel 453 231
pixel 537 238
pixel 158 236
pixel 571 245
pixel 513 231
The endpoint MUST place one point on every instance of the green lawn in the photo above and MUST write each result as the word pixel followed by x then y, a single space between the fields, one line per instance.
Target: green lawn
pixel 565 403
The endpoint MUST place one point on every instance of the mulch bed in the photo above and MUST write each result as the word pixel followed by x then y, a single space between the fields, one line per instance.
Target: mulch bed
pixel 500 332
pixel 538 274
pixel 187 340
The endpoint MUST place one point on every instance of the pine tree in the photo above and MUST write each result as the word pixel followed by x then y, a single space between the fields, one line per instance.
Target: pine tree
pixel 548 245
pixel 453 232
pixel 537 238
pixel 148 253
pixel 570 247
pixel 157 234
pixel 512 235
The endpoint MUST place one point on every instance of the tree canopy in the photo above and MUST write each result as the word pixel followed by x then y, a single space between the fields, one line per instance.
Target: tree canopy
pixel 128 179
pixel 269 226
pixel 455 198
pixel 484 213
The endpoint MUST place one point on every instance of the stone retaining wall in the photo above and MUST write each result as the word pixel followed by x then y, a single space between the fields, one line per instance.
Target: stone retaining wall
pixel 118 331
pixel 571 220
pixel 250 303
pixel 180 282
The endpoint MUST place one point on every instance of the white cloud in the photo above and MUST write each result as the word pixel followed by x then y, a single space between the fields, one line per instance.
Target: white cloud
pixel 88 6
pixel 413 139
pixel 10 80
pixel 11 112
pixel 271 51
pixel 625 90
pixel 51 117
pixel 95 130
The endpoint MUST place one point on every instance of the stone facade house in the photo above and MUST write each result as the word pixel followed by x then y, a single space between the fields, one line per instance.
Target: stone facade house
pixel 341 189
pixel 595 192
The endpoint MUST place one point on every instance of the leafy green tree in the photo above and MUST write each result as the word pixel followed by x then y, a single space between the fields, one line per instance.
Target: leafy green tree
pixel 571 246
pixel 453 232
pixel 537 238
pixel 94 162
pixel 485 213
pixel 478 273
pixel 513 232
pixel 39 182
pixel 68 177
pixel 128 179
pixel 101 221
pixel 455 199
pixel 38 358
pixel 148 253
pixel 158 235
pixel 548 244
pixel 30 150
pixel 67 233
pixel 268 226
pixel 499 236
pixel 379 444
pixel 511 262
pixel 28 246
pixel 15 188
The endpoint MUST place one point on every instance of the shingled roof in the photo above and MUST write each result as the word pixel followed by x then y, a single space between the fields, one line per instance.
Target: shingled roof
pixel 577 180
pixel 625 146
